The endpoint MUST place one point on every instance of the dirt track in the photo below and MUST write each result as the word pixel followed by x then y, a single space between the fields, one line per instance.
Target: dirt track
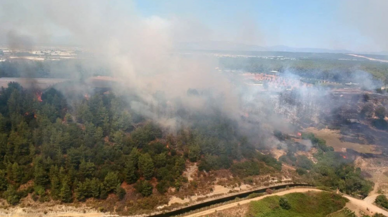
pixel 365 205
pixel 354 202
pixel 369 58
pixel 25 212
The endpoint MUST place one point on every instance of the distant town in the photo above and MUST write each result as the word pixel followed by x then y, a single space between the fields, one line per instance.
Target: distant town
pixel 38 54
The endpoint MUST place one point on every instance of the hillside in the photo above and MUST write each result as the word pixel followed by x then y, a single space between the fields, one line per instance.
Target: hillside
pixel 98 147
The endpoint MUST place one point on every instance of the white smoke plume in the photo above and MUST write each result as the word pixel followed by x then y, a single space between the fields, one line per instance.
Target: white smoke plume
pixel 138 51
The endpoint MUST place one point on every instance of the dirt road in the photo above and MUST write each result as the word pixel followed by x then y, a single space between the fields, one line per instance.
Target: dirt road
pixel 227 206
pixel 71 214
pixel 374 193
pixel 369 58
pixel 366 205
pixel 25 212
pixel 355 202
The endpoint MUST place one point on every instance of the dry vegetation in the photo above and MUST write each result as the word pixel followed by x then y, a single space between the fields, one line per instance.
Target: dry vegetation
pixel 332 138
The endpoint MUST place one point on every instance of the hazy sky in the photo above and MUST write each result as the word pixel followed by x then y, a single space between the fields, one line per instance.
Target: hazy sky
pixel 359 25
pixel 331 24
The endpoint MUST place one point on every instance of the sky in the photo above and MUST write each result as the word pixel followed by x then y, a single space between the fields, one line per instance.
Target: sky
pixel 298 23
pixel 357 25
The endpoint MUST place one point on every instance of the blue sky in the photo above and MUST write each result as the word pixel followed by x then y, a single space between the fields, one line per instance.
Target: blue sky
pixel 296 23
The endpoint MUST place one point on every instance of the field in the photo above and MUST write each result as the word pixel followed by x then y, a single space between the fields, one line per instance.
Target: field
pixel 332 138
pixel 343 213
pixel 301 205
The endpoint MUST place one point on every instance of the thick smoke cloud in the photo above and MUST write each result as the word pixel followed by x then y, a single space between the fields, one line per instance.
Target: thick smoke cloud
pixel 139 53
pixel 136 50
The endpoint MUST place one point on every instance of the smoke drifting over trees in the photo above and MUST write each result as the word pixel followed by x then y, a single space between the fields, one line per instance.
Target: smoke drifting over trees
pixel 133 109
pixel 137 51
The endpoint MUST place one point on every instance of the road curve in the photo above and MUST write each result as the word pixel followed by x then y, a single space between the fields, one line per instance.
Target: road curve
pixel 242 202
pixel 359 203
pixel 366 205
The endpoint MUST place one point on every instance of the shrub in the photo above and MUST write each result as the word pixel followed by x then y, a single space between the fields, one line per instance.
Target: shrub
pixel 247 168
pixel 144 188
pixel 304 162
pixel 253 195
pixel 382 200
pixel 270 161
pixel 11 195
pixel 380 112
pixel 283 203
pixel 120 192
pixel 301 171
pixel 162 187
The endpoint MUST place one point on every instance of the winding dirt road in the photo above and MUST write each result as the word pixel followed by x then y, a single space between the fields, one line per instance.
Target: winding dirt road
pixel 354 202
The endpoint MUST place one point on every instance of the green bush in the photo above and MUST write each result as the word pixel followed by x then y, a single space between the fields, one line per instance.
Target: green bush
pixel 304 163
pixel 144 188
pixel 246 168
pixel 301 171
pixel 162 187
pixel 382 200
pixel 120 192
pixel 270 161
pixel 11 195
pixel 253 195
pixel 283 203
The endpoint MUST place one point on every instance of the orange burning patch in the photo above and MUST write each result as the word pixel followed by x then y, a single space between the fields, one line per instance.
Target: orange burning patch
pixel 39 96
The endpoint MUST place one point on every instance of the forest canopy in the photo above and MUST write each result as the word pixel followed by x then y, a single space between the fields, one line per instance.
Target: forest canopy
pixel 89 148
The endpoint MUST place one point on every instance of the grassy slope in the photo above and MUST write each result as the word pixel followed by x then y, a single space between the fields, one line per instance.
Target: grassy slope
pixel 302 205
pixel 343 213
